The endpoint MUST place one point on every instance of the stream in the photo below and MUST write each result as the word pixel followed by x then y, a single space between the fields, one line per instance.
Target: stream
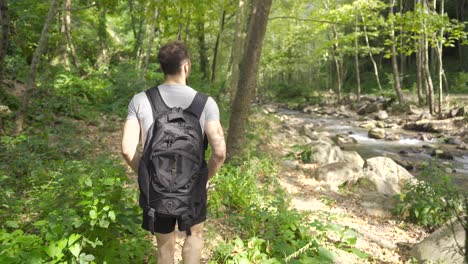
pixel 409 148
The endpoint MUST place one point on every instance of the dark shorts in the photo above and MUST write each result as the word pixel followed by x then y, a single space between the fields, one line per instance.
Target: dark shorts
pixel 166 225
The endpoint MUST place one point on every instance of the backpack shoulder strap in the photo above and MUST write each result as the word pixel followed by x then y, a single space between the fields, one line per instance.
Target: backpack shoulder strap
pixel 157 103
pixel 198 104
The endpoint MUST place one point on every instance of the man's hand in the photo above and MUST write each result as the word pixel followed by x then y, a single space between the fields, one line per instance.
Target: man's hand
pixel 215 135
pixel 130 140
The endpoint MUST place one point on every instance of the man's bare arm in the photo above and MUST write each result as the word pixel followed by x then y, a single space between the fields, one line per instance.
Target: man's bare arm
pixel 130 140
pixel 215 135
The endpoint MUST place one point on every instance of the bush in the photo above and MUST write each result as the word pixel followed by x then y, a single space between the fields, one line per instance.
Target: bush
pixel 430 202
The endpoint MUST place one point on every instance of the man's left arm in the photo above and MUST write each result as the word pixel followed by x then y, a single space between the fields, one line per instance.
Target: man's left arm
pixel 130 140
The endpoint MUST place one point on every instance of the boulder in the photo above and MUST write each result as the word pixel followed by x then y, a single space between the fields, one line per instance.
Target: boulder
pixel 392 137
pixel 368 125
pixel 425 115
pixel 324 152
pixel 369 108
pixel 353 157
pixel 454 141
pixel 377 205
pixel 381 115
pixel 415 110
pixel 335 174
pixel 307 130
pixel 341 140
pixel 433 126
pixel 386 174
pixel 4 110
pixel 442 154
pixel 377 133
pixel 380 124
pixel 441 245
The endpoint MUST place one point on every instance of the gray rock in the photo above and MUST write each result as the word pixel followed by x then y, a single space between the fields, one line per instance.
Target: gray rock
pixel 307 130
pixel 368 125
pixel 440 246
pixel 462 146
pixel 415 110
pixel 387 175
pixel 392 137
pixel 289 164
pixel 353 157
pixel 454 141
pixel 441 154
pixel 324 152
pixel 377 133
pixel 425 115
pixel 341 140
pixel 335 174
pixel 369 109
pixel 381 115
pixel 377 205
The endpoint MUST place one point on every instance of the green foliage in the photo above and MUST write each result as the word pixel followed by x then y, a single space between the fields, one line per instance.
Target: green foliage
pixel 59 207
pixel 301 152
pixel 430 202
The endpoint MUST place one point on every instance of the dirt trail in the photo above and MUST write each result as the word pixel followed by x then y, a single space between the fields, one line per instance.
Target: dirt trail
pixel 384 238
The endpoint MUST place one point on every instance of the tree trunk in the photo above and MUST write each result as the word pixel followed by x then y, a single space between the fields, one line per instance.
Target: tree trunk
pixel 338 62
pixel 187 28
pixel 236 52
pixel 427 70
pixel 103 57
pixel 4 34
pixel 356 58
pixel 137 30
pixel 419 63
pixel 440 51
pixel 396 77
pixel 151 41
pixel 67 27
pixel 248 77
pixel 376 69
pixel 202 48
pixel 179 31
pixel 215 52
pixel 33 69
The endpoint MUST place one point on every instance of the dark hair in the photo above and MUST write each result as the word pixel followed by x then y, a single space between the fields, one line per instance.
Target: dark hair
pixel 171 56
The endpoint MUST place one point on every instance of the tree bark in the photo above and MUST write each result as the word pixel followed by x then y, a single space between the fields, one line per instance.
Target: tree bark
pixel 440 51
pixel 179 31
pixel 427 70
pixel 137 31
pixel 396 77
pixel 236 52
pixel 67 27
pixel 338 62
pixel 356 59
pixel 151 41
pixel 248 76
pixel 371 55
pixel 103 57
pixel 202 48
pixel 33 69
pixel 419 64
pixel 4 18
pixel 215 52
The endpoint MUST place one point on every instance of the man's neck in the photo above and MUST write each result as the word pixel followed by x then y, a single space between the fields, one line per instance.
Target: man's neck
pixel 175 80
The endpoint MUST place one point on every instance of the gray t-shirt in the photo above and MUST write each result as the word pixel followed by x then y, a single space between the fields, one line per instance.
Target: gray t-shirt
pixel 174 95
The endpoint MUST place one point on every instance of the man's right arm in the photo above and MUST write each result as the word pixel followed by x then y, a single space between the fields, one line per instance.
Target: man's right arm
pixel 215 135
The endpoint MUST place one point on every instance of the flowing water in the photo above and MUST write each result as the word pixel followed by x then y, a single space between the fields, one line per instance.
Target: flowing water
pixel 408 149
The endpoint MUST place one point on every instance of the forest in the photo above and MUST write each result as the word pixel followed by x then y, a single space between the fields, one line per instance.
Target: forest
pixel 346 126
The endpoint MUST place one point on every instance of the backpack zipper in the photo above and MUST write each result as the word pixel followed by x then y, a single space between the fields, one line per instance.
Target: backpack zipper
pixel 173 173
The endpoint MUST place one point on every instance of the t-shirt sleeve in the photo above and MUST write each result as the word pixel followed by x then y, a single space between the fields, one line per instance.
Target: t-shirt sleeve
pixel 212 110
pixel 132 110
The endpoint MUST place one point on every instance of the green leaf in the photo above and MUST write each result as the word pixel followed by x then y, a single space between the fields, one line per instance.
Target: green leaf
pixel 89 258
pixel 75 249
pixel 88 182
pixel 73 238
pixel 326 254
pixel 111 215
pixel 93 214
pixel 12 224
pixel 104 223
pixel 359 253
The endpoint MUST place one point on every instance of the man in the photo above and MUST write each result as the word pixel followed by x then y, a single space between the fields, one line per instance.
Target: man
pixel 175 63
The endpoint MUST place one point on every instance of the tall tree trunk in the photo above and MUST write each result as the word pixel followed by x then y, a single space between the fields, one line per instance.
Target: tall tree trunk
pixel 396 77
pixel 371 55
pixel 215 52
pixel 137 29
pixel 356 59
pixel 440 51
pixel 202 48
pixel 427 70
pixel 419 61
pixel 4 34
pixel 33 69
pixel 179 31
pixel 338 62
pixel 187 26
pixel 236 52
pixel 103 57
pixel 67 27
pixel 151 41
pixel 248 77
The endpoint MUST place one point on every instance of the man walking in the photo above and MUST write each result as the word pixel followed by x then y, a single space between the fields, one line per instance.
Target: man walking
pixel 174 92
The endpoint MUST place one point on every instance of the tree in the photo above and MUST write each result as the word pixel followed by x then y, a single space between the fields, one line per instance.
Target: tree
pixel 67 32
pixel 33 68
pixel 151 40
pixel 215 52
pixel 396 74
pixel 247 80
pixel 4 21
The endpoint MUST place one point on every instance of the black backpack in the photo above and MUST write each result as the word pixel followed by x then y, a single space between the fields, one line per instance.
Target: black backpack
pixel 172 173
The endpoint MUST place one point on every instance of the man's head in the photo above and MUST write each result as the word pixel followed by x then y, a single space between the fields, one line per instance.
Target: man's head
pixel 174 59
